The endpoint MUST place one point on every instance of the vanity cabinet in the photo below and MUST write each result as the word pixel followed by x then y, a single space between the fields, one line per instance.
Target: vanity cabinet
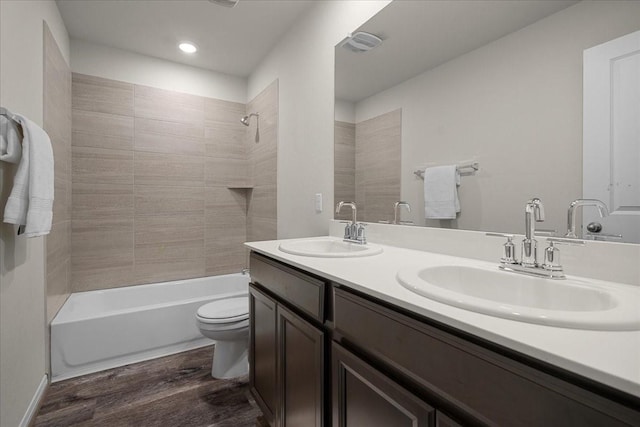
pixel 468 381
pixel 287 344
pixel 381 365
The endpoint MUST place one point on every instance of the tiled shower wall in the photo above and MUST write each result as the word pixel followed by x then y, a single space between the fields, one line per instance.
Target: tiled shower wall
pixel 367 165
pixel 262 140
pixel 158 185
pixel 57 123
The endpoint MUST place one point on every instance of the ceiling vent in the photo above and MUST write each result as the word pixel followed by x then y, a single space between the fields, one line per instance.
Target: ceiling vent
pixel 361 42
pixel 225 3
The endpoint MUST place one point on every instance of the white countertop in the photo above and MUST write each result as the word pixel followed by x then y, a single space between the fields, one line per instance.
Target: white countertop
pixel 609 357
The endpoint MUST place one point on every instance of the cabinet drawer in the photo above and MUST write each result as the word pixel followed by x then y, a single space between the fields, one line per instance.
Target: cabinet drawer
pixel 482 384
pixel 298 289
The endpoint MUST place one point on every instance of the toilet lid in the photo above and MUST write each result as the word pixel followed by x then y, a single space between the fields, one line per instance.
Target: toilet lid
pixel 225 310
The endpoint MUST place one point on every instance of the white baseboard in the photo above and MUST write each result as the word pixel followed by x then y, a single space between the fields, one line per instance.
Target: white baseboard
pixel 35 402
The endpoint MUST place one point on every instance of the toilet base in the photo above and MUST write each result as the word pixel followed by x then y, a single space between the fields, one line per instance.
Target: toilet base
pixel 230 359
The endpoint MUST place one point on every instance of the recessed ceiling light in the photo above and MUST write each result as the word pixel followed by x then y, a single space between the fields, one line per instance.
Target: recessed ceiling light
pixel 188 47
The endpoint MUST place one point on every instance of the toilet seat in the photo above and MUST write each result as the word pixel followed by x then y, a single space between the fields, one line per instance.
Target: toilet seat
pixel 230 310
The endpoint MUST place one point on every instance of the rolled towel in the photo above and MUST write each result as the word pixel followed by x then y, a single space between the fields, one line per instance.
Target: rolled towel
pixel 441 192
pixel 31 200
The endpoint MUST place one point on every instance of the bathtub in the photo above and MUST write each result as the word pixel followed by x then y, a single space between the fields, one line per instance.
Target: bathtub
pixel 99 330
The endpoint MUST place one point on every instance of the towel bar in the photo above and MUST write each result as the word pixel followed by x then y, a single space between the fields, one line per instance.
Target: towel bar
pixel 464 169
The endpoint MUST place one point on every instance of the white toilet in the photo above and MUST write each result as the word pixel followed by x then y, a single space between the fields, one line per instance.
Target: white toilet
pixel 227 322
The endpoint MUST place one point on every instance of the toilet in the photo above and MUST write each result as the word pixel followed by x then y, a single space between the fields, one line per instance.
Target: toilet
pixel 227 322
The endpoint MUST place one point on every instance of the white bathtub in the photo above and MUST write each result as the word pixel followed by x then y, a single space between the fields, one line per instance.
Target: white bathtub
pixel 99 330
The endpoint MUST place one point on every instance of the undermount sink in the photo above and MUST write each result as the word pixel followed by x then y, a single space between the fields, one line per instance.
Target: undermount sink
pixel 566 303
pixel 328 248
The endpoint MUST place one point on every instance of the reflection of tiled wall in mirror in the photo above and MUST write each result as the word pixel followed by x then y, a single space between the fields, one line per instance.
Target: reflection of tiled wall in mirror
pixel 377 161
pixel 344 166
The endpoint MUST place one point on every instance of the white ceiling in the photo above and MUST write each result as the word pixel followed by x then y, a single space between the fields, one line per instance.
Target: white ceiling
pixel 420 35
pixel 231 41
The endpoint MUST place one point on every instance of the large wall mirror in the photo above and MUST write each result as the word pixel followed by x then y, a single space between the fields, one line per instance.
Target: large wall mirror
pixel 496 84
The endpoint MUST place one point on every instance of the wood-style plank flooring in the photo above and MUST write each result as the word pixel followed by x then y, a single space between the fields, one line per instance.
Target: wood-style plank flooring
pixel 171 391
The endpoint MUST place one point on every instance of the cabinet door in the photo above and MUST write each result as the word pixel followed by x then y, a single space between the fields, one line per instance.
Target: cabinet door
pixel 362 396
pixel 263 352
pixel 300 371
pixel 443 421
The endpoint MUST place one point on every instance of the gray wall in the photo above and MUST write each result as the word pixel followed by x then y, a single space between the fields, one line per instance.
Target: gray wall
pixel 23 261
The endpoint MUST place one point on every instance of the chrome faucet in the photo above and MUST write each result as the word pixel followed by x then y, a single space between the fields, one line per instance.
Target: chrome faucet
pixel 533 212
pixel 354 210
pixel 396 210
pixel 573 213
pixel 353 232
pixel 550 268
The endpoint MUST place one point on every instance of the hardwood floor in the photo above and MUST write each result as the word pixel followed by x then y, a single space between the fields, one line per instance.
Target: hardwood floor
pixel 175 390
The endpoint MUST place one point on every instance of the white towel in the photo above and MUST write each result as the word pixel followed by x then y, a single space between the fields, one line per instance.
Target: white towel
pixel 441 192
pixel 10 147
pixel 31 200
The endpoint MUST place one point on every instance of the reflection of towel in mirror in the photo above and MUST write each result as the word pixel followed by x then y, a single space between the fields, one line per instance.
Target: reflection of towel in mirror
pixel 441 192
pixel 31 199
pixel 10 147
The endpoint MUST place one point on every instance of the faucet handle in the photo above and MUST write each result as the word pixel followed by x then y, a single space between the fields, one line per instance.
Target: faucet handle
pixel 604 236
pixel 360 236
pixel 552 258
pixel 566 241
pixel 545 233
pixel 492 234
pixel 347 229
pixel 508 249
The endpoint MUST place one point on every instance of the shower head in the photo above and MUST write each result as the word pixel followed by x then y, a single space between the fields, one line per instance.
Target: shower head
pixel 245 119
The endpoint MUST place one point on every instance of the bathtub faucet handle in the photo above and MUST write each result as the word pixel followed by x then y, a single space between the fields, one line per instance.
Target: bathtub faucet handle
pixel 245 271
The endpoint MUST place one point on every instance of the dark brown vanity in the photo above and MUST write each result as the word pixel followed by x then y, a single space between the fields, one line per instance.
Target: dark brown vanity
pixel 288 343
pixel 322 354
